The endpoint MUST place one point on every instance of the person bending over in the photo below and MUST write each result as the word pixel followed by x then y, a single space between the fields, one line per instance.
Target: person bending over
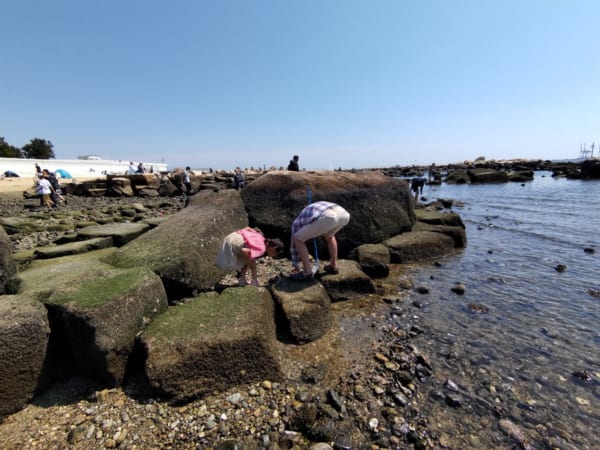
pixel 317 219
pixel 240 249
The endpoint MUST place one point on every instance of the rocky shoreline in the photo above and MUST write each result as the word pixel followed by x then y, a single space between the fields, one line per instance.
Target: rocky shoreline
pixel 75 414
pixel 361 385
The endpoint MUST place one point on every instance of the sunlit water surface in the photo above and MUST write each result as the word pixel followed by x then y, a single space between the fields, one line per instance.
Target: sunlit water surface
pixel 542 325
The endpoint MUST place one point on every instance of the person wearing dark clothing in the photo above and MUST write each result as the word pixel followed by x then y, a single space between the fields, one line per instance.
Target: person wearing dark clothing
pixel 416 185
pixel 56 194
pixel 293 165
pixel 239 180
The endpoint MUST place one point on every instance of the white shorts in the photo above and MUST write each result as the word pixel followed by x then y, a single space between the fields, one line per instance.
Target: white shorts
pixel 329 223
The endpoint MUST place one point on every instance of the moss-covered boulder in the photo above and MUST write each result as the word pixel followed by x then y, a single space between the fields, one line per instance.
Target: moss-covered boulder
pixel 73 248
pixel 351 282
pixel 305 308
pixel 8 266
pixel 121 233
pixel 182 250
pixel 95 310
pixel 212 342
pixel 24 332
pixel 419 246
pixel 373 259
pixel 24 225
pixel 379 206
pixel 485 175
pixel 448 223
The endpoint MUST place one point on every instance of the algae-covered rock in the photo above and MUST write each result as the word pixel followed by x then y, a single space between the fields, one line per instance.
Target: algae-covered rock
pixel 419 246
pixel 351 282
pixel 305 307
pixel 212 342
pixel 374 259
pixel 24 332
pixel 182 250
pixel 95 310
pixel 73 248
pixel 121 233
pixel 7 263
pixel 99 319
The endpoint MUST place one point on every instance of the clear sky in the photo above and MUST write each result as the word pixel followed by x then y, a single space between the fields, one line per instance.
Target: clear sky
pixel 342 83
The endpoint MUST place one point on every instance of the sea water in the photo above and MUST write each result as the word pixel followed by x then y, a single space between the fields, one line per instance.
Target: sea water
pixel 524 337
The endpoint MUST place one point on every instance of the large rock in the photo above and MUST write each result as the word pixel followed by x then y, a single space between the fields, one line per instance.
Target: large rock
pixel 120 186
pixel 590 168
pixel 419 246
pixel 182 250
pixel 24 335
pixel 73 248
pixel 305 307
pixel 95 311
pixel 212 342
pixel 121 233
pixel 379 206
pixel 483 175
pixel 373 259
pixel 7 263
pixel 351 282
pixel 450 224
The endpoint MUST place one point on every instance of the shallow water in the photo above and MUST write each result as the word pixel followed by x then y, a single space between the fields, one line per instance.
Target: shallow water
pixel 541 325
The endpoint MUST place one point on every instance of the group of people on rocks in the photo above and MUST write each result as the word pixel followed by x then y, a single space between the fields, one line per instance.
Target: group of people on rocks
pixel 139 168
pixel 48 188
pixel 240 249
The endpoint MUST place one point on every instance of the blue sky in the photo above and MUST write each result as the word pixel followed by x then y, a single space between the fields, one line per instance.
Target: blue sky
pixel 351 84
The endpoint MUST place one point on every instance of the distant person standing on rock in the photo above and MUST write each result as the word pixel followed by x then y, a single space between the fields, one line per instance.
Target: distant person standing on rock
pixel 293 165
pixel 186 180
pixel 240 249
pixel 416 185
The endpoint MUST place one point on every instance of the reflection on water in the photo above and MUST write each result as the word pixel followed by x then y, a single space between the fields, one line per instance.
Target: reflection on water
pixel 541 327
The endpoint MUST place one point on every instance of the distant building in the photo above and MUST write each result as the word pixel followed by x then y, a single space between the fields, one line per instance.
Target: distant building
pixel 90 157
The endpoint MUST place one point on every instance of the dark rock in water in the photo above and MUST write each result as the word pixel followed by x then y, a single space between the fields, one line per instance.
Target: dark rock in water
pixel 422 290
pixel 477 308
pixel 454 400
pixel 589 250
pixel 458 289
pixel 419 304
pixel 560 268
pixel 583 375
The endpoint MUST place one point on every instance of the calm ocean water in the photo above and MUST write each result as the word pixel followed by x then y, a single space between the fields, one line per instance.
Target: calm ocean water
pixel 541 326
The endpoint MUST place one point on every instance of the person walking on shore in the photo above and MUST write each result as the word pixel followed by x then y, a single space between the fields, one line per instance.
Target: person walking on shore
pixel 44 188
pixel 317 219
pixel 240 249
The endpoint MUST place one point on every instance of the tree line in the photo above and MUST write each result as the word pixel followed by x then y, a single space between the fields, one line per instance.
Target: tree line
pixel 36 149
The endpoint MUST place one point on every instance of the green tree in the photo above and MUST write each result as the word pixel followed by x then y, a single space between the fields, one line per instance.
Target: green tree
pixel 38 149
pixel 9 151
